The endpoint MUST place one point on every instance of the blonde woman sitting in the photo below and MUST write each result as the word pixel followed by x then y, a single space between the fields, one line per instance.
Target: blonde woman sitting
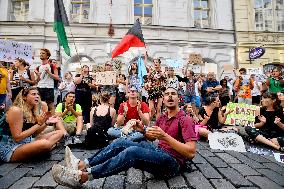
pixel 16 139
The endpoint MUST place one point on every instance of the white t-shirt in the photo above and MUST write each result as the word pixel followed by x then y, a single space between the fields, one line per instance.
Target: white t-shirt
pixel 197 92
pixel 121 88
pixel 46 81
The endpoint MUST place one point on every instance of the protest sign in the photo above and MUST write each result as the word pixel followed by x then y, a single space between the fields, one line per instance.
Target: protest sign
pixel 210 67
pixel 106 78
pixel 195 59
pixel 242 115
pixel 226 141
pixel 10 50
pixel 228 67
pixel 175 63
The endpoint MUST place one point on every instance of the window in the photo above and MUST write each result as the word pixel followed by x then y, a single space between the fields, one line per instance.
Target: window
pixel 143 11
pixel 269 15
pixel 19 10
pixel 79 11
pixel 201 13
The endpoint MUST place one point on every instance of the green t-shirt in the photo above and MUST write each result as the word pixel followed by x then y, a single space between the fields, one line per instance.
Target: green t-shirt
pixel 69 117
pixel 275 86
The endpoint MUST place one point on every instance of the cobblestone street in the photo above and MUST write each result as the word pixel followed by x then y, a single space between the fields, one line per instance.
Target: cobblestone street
pixel 210 169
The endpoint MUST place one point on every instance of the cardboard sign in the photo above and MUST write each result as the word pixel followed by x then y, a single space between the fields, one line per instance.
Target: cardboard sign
pixel 243 114
pixel 226 141
pixel 10 50
pixel 106 78
pixel 228 67
pixel 195 59
pixel 210 67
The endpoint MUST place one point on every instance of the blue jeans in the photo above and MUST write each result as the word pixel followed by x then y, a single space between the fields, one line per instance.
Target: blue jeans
pixel 123 154
pixel 116 133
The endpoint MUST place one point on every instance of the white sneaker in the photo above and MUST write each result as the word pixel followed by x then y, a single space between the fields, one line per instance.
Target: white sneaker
pixel 66 176
pixel 70 160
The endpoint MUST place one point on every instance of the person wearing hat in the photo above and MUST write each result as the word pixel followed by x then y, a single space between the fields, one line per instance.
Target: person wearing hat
pixel 133 108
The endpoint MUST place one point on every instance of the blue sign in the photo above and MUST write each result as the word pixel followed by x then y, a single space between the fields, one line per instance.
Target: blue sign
pixel 257 52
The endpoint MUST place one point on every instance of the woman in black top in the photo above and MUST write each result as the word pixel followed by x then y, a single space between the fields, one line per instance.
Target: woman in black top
pixel 269 127
pixel 224 93
pixel 211 116
pixel 84 84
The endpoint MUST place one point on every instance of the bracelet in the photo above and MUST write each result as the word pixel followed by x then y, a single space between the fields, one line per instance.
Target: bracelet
pixel 144 129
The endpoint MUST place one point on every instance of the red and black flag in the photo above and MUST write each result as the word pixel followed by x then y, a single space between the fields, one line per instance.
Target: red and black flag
pixel 61 20
pixel 133 38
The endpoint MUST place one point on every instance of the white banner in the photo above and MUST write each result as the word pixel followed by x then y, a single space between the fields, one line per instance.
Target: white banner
pixel 226 141
pixel 10 50
pixel 106 78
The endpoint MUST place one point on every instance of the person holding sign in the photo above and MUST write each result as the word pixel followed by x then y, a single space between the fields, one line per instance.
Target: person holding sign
pixel 211 117
pixel 268 128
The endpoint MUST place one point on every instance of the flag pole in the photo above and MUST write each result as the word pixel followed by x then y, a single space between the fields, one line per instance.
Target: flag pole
pixel 76 50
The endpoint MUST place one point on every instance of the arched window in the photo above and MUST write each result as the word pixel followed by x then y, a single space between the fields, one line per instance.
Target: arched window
pixel 19 10
pixel 79 11
pixel 143 11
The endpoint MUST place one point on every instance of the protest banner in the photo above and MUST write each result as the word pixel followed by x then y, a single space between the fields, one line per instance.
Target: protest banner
pixel 226 141
pixel 242 115
pixel 106 78
pixel 10 50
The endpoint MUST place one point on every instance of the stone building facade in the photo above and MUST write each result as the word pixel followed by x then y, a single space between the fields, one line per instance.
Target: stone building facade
pixel 172 29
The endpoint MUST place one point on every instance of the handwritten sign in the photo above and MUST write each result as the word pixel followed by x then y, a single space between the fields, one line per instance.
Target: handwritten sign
pixel 10 50
pixel 242 115
pixel 226 141
pixel 228 67
pixel 106 78
pixel 195 59
pixel 175 63
pixel 210 67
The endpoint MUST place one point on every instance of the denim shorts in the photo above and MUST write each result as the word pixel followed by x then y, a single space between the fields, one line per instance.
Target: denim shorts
pixel 8 146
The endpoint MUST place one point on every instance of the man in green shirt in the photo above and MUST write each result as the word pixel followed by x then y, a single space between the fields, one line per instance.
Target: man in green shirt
pixel 275 83
pixel 71 115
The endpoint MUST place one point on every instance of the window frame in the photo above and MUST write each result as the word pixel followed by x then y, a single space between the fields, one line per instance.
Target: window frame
pixel 80 15
pixel 23 12
pixel 142 17
pixel 261 24
pixel 201 9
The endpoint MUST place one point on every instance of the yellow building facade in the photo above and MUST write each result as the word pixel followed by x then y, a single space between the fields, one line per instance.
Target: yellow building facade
pixel 259 23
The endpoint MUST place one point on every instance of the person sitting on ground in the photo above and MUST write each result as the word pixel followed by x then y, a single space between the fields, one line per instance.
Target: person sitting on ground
pixel 131 109
pixel 269 127
pixel 211 117
pixel 102 118
pixel 17 143
pixel 71 114
pixel 177 144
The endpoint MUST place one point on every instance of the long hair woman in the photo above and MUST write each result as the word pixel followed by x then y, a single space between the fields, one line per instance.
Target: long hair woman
pixel 21 77
pixel 22 124
pixel 268 128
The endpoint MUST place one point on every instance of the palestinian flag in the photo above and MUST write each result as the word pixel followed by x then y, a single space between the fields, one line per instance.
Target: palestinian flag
pixel 61 20
pixel 133 38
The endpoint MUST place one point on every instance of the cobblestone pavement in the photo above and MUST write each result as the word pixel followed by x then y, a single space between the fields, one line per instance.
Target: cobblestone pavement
pixel 210 169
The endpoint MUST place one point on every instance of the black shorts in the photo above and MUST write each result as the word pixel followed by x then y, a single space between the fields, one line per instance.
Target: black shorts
pixel 46 94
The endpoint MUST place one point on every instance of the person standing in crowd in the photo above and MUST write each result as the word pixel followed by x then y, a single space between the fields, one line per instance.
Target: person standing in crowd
pixel 133 79
pixel 133 108
pixel 84 84
pixel 17 143
pixel 111 89
pixel 275 83
pixel 189 95
pixel 121 89
pixel 198 88
pixel 211 117
pixel 155 86
pixel 243 86
pixel 71 114
pixel 210 87
pixel 67 85
pixel 256 91
pixel 5 87
pixel 268 128
pixel 21 77
pixel 176 146
pixel 172 80
pixel 46 75
pixel 102 117
pixel 224 93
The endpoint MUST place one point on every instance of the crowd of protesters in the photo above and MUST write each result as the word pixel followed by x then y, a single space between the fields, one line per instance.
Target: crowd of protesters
pixel 194 103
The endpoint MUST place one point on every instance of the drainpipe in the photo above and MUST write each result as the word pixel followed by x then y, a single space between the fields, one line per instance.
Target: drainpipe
pixel 235 35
